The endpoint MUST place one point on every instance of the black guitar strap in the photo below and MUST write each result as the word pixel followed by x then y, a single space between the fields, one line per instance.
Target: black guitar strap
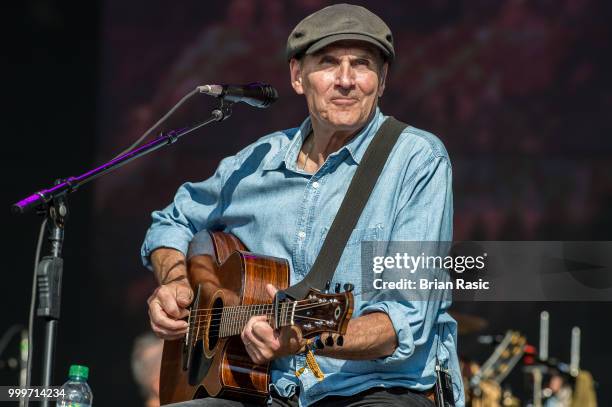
pixel 354 201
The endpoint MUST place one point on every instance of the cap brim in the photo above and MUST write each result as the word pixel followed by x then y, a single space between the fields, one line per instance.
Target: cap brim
pixel 324 42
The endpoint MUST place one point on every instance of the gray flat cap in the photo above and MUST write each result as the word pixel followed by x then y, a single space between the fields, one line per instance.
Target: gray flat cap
pixel 336 23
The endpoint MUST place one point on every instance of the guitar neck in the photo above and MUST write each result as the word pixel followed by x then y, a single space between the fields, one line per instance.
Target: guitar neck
pixel 230 321
pixel 319 312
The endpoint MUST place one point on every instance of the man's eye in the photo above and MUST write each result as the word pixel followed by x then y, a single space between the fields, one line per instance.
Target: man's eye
pixel 363 62
pixel 327 60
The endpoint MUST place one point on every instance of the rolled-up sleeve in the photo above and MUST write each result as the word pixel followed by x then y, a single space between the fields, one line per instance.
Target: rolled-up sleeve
pixel 425 215
pixel 193 209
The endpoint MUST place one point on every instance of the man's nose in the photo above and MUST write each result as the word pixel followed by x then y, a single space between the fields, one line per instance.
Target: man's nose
pixel 345 76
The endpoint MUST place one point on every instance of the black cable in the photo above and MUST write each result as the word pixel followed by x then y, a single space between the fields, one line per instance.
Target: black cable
pixel 39 243
pixel 160 121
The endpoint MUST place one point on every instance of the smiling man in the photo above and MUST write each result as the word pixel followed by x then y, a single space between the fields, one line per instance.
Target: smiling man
pixel 280 194
pixel 342 83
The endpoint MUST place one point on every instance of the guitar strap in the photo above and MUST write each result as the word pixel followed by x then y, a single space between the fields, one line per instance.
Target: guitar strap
pixel 354 201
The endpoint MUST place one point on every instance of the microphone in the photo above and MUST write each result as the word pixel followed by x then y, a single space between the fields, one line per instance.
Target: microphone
pixel 255 94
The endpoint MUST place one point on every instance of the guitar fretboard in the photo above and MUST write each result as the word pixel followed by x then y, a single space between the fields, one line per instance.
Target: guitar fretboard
pixel 230 321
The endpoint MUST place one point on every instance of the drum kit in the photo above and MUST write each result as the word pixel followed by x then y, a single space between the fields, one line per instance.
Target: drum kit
pixel 548 382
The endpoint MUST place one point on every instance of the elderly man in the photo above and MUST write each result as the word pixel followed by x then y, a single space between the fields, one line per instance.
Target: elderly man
pixel 280 194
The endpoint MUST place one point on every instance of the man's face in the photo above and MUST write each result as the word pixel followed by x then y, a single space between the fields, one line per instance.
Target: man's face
pixel 342 83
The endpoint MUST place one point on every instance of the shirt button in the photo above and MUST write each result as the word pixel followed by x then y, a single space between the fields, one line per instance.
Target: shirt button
pixel 315 185
pixel 301 234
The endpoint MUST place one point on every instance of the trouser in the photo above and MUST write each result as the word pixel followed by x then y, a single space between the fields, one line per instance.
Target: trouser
pixel 396 396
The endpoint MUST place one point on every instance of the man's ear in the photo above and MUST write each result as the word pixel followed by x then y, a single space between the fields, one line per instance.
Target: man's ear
pixel 383 79
pixel 295 69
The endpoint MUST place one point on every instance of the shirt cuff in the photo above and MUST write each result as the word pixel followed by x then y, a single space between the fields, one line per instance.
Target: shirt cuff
pixel 164 236
pixel 398 314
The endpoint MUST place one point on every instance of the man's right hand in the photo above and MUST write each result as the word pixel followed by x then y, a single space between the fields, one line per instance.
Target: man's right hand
pixel 168 303
pixel 167 308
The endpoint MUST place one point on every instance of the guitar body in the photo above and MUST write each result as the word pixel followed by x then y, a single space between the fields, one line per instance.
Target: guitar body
pixel 205 364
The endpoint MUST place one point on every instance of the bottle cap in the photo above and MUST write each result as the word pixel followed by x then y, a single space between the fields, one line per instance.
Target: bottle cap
pixel 79 371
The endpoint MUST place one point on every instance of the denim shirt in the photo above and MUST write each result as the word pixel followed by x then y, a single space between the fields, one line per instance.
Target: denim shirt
pixel 275 208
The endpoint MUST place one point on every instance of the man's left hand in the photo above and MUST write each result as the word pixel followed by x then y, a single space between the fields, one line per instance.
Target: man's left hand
pixel 264 344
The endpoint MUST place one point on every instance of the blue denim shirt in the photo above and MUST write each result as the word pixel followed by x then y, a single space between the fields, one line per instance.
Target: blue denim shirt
pixel 277 209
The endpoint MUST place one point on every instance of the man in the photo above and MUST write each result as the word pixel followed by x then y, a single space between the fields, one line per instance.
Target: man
pixel 280 194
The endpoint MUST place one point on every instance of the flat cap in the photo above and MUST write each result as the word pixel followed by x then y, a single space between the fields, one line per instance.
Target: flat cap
pixel 336 23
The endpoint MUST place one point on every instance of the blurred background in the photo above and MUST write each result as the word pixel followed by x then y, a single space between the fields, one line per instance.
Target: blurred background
pixel 519 91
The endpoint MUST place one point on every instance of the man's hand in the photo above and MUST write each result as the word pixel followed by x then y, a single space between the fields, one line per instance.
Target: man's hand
pixel 168 303
pixel 264 344
pixel 167 306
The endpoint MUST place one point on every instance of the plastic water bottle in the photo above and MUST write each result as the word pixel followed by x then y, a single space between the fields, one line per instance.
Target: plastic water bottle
pixel 76 392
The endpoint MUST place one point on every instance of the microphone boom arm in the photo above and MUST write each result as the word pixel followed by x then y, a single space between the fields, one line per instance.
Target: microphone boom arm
pixel 43 197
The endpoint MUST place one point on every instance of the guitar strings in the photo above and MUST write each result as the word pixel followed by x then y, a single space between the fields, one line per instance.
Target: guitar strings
pixel 196 310
pixel 262 311
pixel 245 318
pixel 216 317
pixel 243 311
pixel 297 316
pixel 254 311
pixel 216 323
pixel 216 328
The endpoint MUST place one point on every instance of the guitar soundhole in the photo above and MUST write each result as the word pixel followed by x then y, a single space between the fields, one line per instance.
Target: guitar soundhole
pixel 215 323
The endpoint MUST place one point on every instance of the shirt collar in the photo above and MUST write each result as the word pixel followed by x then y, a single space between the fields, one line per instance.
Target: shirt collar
pixel 356 147
pixel 292 148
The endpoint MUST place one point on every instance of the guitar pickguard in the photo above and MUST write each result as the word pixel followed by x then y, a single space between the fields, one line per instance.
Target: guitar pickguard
pixel 194 359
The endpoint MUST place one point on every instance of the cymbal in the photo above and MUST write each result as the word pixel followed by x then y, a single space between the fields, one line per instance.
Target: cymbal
pixel 468 324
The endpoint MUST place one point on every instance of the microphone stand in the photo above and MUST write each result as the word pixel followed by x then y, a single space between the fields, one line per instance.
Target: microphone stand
pixel 53 204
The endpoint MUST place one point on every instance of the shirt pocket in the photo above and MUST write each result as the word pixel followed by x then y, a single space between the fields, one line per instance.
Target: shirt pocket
pixel 349 267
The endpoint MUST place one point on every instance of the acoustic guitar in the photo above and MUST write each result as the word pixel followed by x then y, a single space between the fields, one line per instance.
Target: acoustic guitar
pixel 229 285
